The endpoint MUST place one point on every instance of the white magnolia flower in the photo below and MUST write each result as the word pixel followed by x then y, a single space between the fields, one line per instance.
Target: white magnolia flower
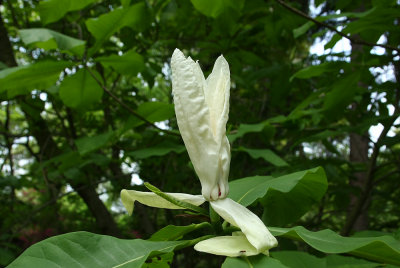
pixel 201 107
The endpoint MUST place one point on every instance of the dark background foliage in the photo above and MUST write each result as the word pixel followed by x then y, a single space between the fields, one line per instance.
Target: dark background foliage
pixel 86 105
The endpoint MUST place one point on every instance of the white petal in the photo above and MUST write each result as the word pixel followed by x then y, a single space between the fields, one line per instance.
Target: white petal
pixel 129 197
pixel 249 223
pixel 231 246
pixel 217 96
pixel 193 118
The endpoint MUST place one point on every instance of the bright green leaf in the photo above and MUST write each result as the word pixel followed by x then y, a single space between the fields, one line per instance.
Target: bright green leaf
pixel 48 39
pixel 80 90
pixel 53 10
pixel 129 63
pixel 83 249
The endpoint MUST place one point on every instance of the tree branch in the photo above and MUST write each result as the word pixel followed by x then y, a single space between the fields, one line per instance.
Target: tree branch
pixel 351 39
pixel 127 107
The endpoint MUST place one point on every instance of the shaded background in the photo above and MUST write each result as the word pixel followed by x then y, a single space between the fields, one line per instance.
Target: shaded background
pixel 88 111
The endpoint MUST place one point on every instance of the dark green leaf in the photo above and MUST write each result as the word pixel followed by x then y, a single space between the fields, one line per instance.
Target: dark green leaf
pixel 246 128
pixel 80 90
pixel 89 144
pixel 383 249
pixel 265 154
pixel 129 63
pixel 260 261
pixel 103 27
pixel 172 232
pixel 158 150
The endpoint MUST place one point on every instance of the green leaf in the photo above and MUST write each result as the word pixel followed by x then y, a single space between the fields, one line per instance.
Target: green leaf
pixel 23 79
pixel 213 8
pixel 53 10
pixel 103 27
pixel 246 128
pixel 158 150
pixel 298 259
pixel 156 111
pixel 80 90
pixel 316 70
pixel 172 232
pixel 342 93
pixel 83 249
pixel 265 154
pixel 130 63
pixel 285 198
pixel 48 39
pixel 88 144
pixel 259 261
pixel 302 29
pixel 383 249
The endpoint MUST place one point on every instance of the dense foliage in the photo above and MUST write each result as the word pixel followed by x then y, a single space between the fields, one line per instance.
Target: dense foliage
pixel 86 109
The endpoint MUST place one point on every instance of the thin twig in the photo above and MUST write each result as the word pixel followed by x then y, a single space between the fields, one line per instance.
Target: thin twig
pixel 127 107
pixel 351 39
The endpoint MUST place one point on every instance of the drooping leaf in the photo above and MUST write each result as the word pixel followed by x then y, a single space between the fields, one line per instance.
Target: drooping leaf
pixel 24 79
pixel 265 154
pixel 53 10
pixel 259 261
pixel 83 249
pixel 384 249
pixel 213 8
pixel 158 150
pixel 89 144
pixel 285 198
pixel 129 63
pixel 80 90
pixel 103 27
pixel 49 39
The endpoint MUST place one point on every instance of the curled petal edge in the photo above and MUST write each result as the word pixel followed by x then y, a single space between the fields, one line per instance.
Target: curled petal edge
pixel 250 224
pixel 150 199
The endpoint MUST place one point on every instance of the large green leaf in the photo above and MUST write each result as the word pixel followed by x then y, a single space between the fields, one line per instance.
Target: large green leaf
pixel 129 63
pixel 285 198
pixel 80 90
pixel 103 27
pixel 53 10
pixel 265 154
pixel 299 259
pixel 316 70
pixel 48 39
pixel 260 261
pixel 213 8
pixel 384 249
pixel 83 249
pixel 158 150
pixel 24 79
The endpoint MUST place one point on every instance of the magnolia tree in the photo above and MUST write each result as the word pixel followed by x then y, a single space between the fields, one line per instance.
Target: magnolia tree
pixel 229 228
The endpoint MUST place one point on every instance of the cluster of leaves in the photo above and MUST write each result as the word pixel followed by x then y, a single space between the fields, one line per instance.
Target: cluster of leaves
pixel 86 106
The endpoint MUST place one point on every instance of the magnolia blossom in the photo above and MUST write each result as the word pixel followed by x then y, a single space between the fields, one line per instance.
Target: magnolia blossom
pixel 201 107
